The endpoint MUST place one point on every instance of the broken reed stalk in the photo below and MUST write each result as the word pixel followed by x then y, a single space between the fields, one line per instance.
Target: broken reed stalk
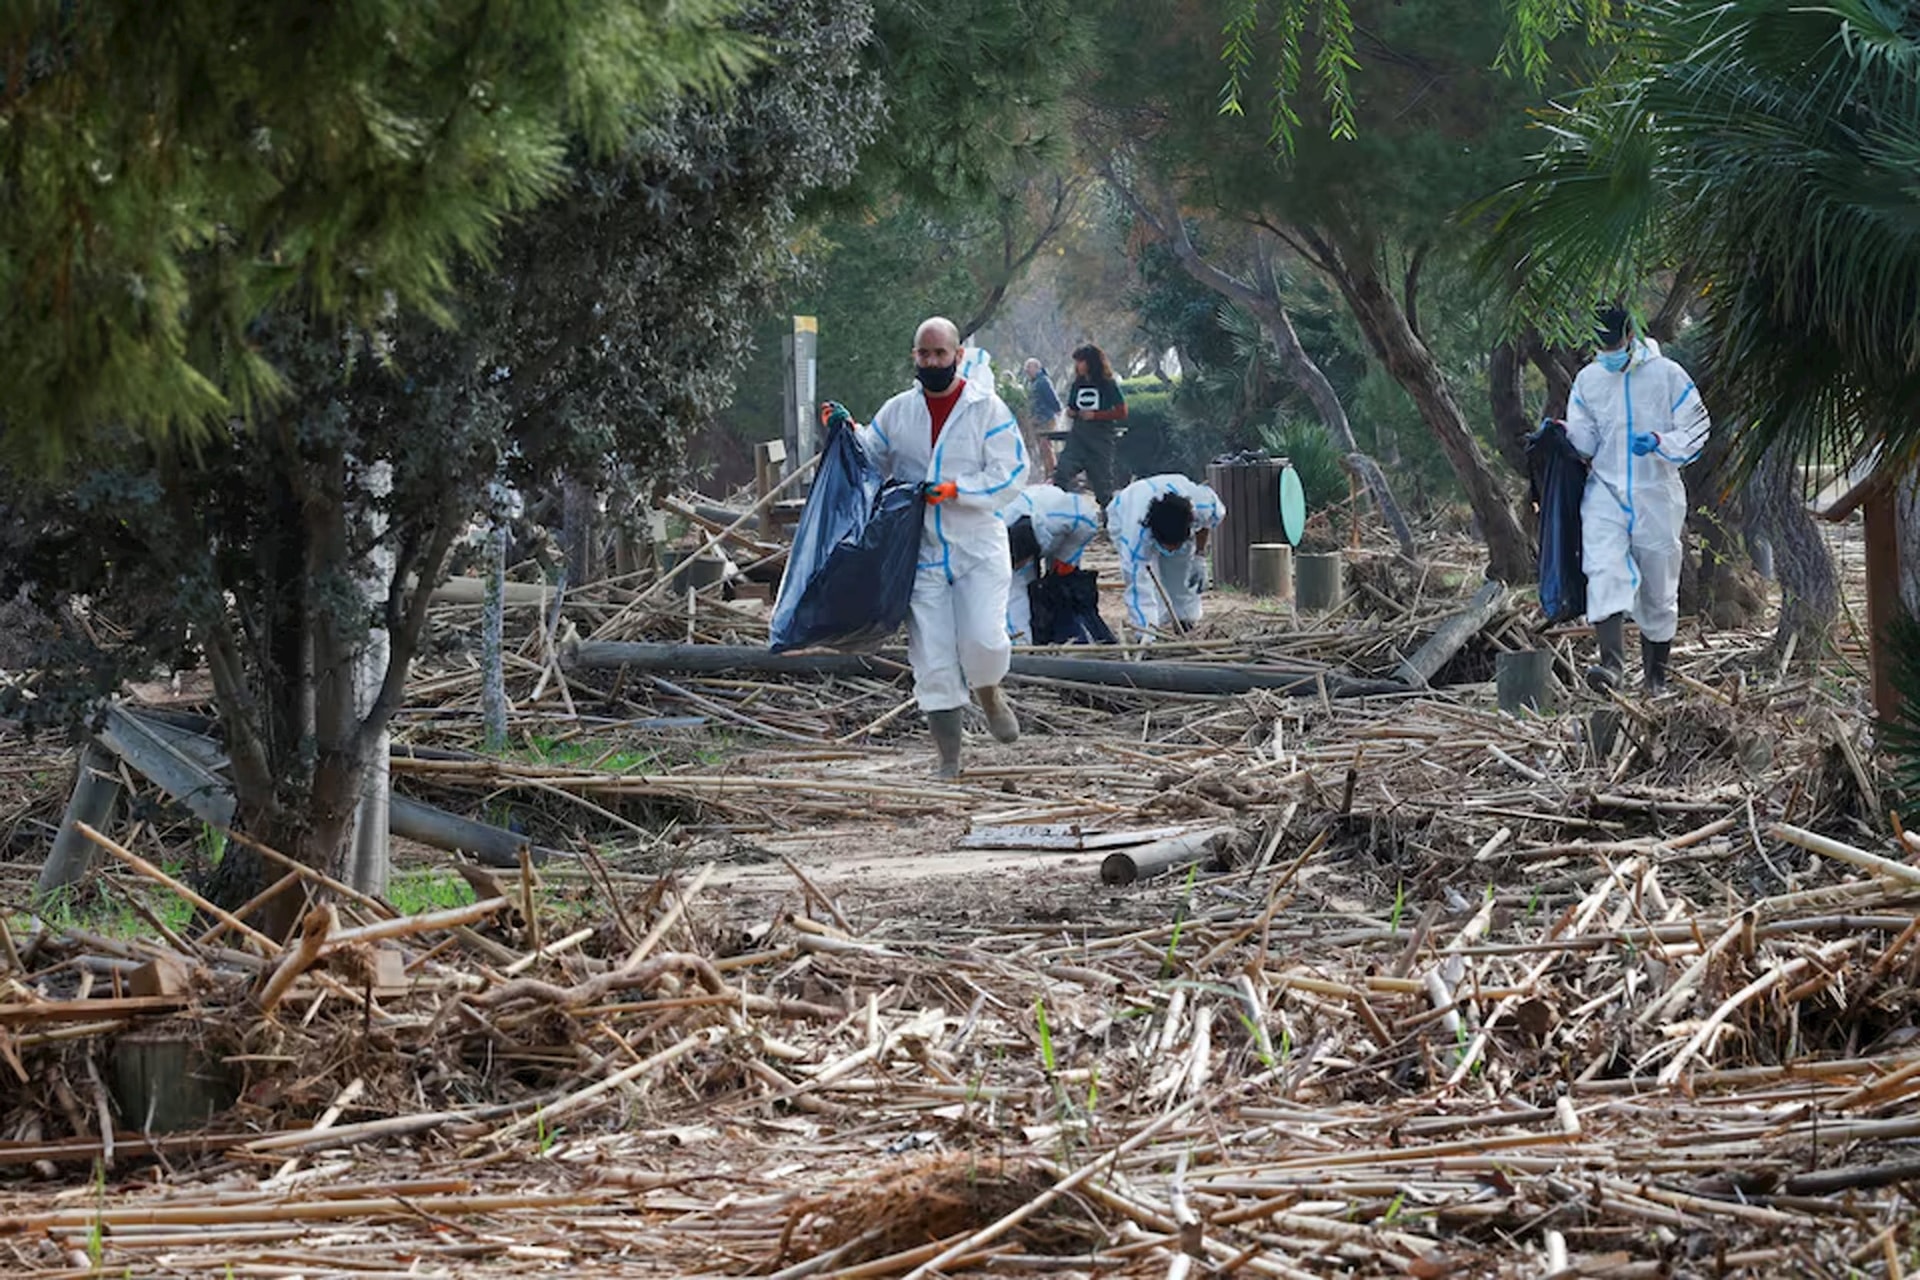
pixel 578 1099
pixel 155 874
pixel 314 933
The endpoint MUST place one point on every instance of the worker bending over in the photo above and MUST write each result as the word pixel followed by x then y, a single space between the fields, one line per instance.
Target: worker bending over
pixel 1161 525
pixel 1048 530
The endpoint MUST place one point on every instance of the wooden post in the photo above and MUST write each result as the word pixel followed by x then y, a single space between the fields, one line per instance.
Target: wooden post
pixel 769 461
pixel 96 788
pixel 1318 581
pixel 1524 679
pixel 801 431
pixel 1270 569
pixel 1882 516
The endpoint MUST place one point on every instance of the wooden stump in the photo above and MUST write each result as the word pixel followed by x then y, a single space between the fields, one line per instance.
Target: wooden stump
pixel 1525 679
pixel 1318 581
pixel 163 1082
pixel 1271 569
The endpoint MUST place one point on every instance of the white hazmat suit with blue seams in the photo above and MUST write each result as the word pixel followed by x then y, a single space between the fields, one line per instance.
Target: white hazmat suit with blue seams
pixel 1063 524
pixel 956 632
pixel 1160 575
pixel 1638 418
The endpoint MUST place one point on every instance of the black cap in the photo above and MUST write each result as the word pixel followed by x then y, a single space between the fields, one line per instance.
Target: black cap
pixel 1609 327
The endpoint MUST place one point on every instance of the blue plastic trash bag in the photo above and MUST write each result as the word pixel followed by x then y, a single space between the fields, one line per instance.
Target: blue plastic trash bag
pixel 849 577
pixel 1559 480
pixel 1066 609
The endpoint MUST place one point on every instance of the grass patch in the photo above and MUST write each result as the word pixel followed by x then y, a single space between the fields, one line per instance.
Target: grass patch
pixel 112 916
pixel 594 753
pixel 414 892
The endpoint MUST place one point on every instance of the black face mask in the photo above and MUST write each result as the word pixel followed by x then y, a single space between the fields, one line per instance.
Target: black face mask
pixel 935 378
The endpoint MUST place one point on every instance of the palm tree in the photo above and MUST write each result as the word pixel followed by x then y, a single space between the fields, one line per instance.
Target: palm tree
pixel 1771 150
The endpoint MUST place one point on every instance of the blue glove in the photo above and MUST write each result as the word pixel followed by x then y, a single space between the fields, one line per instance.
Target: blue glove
pixel 834 416
pixel 1644 443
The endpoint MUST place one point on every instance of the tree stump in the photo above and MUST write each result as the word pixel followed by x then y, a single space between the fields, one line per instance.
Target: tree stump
pixel 1525 679
pixel 163 1081
pixel 1270 569
pixel 1318 581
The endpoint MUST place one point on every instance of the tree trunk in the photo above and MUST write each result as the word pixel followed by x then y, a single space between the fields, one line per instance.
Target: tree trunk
pixel 1773 508
pixel 1265 303
pixel 579 531
pixel 1907 519
pixel 1510 556
pixel 493 617
pixel 1506 396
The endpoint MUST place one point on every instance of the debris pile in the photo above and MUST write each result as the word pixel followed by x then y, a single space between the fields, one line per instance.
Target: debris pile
pixel 1396 984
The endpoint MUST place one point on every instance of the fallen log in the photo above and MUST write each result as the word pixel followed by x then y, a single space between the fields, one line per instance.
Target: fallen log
pixel 1221 680
pixel 1162 857
pixel 1418 670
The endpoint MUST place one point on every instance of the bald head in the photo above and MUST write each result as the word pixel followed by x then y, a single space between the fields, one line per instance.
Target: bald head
pixel 937 328
pixel 936 355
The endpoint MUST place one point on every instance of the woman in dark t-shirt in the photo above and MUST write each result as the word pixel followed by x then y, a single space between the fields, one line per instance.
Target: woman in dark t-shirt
pixel 1095 405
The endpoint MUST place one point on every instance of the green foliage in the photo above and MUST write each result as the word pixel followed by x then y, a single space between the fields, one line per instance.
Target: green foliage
pixel 1770 148
pixel 974 94
pixel 598 331
pixel 113 916
pixel 169 172
pixel 1046 1034
pixel 1325 28
pixel 1314 457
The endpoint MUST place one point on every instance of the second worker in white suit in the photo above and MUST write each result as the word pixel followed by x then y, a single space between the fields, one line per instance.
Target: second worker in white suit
pixel 1161 525
pixel 959 441
pixel 1059 526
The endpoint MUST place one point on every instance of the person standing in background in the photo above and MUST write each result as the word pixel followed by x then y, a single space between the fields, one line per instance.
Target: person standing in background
pixel 1043 411
pixel 1637 418
pixel 1097 408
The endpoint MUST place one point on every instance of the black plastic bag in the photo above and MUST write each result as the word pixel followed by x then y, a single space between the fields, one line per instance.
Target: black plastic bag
pixel 1066 609
pixel 849 578
pixel 1559 480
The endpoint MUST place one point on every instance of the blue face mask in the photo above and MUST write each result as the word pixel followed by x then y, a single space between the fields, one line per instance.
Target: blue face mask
pixel 1614 361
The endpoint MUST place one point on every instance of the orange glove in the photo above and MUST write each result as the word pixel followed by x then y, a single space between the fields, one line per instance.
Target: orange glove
pixel 1061 568
pixel 936 494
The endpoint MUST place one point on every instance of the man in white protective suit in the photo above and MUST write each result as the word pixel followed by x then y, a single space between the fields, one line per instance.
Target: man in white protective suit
pixel 958 440
pixel 1161 525
pixel 1637 417
pixel 1048 529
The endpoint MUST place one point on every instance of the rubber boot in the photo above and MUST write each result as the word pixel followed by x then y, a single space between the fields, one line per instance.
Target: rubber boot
pixel 993 701
pixel 1610 672
pixel 945 726
pixel 1653 663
